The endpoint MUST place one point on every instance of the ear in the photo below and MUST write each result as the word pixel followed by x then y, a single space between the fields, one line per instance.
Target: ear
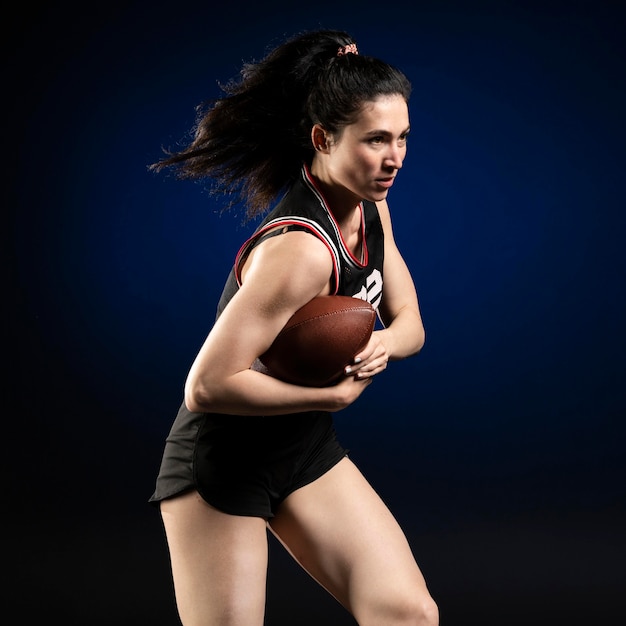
pixel 319 138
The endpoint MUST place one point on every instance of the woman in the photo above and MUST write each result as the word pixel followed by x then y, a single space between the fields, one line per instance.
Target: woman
pixel 247 452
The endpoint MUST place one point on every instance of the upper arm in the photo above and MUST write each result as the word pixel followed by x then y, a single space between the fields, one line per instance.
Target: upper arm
pixel 399 291
pixel 281 275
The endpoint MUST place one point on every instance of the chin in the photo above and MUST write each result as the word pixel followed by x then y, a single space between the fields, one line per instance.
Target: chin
pixel 378 196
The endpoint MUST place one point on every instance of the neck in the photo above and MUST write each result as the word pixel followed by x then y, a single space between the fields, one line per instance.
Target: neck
pixel 342 203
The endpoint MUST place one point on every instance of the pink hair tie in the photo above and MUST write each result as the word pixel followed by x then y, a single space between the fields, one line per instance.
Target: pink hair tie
pixel 347 49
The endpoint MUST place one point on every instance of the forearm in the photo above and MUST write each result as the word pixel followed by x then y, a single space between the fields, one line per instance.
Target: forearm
pixel 253 393
pixel 405 335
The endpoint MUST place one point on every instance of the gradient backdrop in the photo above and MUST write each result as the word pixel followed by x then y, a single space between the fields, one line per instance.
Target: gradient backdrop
pixel 500 448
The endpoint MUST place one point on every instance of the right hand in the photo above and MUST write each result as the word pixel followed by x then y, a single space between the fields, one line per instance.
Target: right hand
pixel 348 389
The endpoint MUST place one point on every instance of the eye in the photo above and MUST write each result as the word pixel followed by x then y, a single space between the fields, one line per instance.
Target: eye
pixel 377 139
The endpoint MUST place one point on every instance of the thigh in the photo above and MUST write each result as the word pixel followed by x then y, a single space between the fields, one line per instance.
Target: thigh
pixel 219 562
pixel 342 533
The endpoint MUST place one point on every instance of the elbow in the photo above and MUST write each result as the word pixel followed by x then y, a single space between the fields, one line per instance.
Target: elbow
pixel 420 332
pixel 418 344
pixel 419 337
pixel 198 398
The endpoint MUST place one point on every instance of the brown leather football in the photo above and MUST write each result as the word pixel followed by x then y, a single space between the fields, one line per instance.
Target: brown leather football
pixel 319 340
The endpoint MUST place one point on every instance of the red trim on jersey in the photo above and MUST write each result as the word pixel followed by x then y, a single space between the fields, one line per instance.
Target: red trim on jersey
pixel 365 253
pixel 278 224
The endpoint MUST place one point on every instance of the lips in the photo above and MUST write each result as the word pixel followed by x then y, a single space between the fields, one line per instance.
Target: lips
pixel 385 182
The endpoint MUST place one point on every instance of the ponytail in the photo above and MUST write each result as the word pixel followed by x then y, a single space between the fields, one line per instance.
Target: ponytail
pixel 253 141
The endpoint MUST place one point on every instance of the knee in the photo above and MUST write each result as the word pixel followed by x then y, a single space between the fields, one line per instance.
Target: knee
pixel 426 613
pixel 408 610
pixel 418 611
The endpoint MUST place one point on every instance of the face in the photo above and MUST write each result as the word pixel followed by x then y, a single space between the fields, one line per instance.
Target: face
pixel 362 162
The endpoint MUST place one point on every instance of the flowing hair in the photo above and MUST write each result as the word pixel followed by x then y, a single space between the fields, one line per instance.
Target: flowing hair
pixel 252 141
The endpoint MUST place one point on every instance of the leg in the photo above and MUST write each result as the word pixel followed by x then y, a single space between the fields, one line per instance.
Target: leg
pixel 219 563
pixel 342 533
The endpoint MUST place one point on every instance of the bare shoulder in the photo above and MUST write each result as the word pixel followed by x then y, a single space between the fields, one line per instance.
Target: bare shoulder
pixel 385 217
pixel 383 209
pixel 288 270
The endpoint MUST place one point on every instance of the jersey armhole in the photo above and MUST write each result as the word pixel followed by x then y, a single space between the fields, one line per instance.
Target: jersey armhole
pixel 280 229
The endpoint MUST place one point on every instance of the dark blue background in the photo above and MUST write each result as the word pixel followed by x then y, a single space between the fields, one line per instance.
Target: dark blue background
pixel 500 448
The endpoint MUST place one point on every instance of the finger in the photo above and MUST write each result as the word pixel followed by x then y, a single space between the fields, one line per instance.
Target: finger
pixel 371 369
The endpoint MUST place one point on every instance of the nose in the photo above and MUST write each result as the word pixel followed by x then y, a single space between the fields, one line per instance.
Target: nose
pixel 395 156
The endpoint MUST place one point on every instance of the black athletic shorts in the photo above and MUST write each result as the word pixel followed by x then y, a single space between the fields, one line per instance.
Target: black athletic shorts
pixel 246 465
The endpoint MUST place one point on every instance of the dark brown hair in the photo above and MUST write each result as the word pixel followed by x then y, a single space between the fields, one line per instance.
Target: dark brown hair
pixel 252 142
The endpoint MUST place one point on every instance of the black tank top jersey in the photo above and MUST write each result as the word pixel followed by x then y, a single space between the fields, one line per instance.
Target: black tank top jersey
pixel 304 208
pixel 199 452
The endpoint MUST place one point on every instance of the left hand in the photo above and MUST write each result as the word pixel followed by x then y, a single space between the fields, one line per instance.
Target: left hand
pixel 371 360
